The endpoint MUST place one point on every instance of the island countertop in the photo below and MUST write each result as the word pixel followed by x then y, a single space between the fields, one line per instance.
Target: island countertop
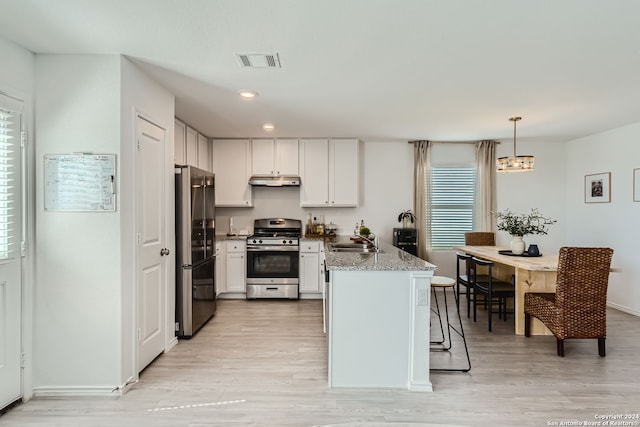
pixel 390 259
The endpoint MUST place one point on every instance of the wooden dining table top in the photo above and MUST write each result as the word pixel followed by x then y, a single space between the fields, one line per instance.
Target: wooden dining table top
pixel 545 262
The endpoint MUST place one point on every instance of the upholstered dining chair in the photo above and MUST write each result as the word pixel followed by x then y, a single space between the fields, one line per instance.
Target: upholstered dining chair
pixel 578 308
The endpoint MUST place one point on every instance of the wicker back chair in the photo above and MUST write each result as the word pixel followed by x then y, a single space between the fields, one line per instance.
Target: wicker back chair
pixel 578 307
pixel 480 238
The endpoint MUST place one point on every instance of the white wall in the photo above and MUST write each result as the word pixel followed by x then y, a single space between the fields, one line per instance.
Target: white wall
pixel 614 224
pixel 77 295
pixel 85 314
pixel 544 188
pixel 386 189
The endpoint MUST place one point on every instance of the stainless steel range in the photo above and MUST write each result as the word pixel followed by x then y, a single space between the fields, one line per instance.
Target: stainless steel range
pixel 273 258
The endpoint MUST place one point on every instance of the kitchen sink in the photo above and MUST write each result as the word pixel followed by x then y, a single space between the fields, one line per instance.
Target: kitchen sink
pixel 353 247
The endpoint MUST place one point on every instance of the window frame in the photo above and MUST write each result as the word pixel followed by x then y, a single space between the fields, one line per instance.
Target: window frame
pixel 465 209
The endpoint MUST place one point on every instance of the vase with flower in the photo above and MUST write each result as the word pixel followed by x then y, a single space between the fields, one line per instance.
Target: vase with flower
pixel 520 225
pixel 407 218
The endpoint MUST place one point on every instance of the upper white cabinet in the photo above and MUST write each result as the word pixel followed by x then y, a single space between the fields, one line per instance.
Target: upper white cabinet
pixel 231 163
pixel 343 172
pixel 274 157
pixel 204 161
pixel 180 144
pixel 192 146
pixel 329 172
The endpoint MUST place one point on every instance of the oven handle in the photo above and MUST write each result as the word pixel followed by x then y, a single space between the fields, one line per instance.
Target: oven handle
pixel 264 248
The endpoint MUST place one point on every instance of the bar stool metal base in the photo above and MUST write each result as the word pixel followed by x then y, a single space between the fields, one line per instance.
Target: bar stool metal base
pixel 444 283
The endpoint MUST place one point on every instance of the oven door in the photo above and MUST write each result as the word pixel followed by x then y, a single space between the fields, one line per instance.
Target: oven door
pixel 272 262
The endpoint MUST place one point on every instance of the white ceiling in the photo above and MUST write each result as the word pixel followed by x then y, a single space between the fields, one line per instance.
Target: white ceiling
pixel 374 69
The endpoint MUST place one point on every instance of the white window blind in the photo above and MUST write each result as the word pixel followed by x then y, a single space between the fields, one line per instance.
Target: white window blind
pixel 452 201
pixel 9 183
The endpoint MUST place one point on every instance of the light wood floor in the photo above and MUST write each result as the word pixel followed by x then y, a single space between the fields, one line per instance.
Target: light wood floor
pixel 263 363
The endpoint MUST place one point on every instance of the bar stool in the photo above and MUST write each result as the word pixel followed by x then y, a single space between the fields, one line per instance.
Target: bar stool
pixel 444 283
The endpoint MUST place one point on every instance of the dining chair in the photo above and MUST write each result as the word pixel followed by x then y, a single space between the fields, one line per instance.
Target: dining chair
pixel 463 278
pixel 495 291
pixel 477 238
pixel 480 238
pixel 578 308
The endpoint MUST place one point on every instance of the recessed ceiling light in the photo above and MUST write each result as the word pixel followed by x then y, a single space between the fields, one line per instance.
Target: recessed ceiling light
pixel 268 126
pixel 248 94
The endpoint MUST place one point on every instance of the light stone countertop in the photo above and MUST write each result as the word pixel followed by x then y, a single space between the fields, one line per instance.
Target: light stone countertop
pixel 390 259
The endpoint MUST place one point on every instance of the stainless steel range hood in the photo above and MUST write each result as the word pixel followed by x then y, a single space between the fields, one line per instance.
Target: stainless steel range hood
pixel 274 181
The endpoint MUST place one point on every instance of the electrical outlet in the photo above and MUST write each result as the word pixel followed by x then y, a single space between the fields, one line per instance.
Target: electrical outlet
pixel 423 296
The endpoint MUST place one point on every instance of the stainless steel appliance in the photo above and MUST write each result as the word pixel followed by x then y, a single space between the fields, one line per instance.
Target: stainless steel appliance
pixel 273 258
pixel 195 249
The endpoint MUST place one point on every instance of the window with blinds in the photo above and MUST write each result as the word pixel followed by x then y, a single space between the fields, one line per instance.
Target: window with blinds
pixel 452 202
pixel 9 182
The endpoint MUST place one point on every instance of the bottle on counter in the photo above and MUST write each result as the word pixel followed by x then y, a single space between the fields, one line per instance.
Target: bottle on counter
pixel 309 225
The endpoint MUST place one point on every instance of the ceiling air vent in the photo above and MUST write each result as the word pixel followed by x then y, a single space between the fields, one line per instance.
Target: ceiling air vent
pixel 259 60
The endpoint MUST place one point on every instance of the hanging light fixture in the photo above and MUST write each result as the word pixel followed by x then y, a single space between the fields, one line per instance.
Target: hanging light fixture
pixel 515 163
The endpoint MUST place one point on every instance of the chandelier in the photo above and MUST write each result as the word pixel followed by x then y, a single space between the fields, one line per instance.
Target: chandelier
pixel 515 163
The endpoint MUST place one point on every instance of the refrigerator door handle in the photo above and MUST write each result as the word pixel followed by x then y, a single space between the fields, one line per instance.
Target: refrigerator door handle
pixel 198 264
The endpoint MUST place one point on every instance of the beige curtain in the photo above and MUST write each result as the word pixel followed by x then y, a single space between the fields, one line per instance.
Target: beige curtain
pixel 421 195
pixel 485 186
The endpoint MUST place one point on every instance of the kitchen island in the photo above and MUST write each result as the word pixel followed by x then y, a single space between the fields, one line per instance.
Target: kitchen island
pixel 377 314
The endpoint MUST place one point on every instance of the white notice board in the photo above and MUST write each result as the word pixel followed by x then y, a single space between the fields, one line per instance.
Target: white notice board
pixel 80 182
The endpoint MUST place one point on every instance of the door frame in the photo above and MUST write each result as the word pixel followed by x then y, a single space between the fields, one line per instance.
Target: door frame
pixel 27 265
pixel 169 265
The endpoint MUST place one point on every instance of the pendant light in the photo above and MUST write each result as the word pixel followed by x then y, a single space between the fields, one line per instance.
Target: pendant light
pixel 515 163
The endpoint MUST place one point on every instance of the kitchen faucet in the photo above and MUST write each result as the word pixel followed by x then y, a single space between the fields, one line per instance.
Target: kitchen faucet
pixel 375 242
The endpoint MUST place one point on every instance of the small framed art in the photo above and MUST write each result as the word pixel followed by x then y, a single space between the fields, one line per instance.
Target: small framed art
pixel 597 188
pixel 636 185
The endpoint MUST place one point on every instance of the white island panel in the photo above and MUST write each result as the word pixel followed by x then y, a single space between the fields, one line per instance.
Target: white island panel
pixel 378 329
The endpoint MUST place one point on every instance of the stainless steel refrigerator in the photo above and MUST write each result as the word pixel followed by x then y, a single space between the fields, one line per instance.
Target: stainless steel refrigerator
pixel 195 249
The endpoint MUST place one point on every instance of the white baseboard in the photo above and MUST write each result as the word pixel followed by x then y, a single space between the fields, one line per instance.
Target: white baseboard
pixel 311 296
pixel 172 343
pixel 623 308
pixel 104 391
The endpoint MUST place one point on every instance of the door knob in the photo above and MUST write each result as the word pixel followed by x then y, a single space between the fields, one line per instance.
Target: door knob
pixel 164 251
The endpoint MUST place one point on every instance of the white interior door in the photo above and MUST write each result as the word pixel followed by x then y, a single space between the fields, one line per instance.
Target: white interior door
pixel 151 241
pixel 10 253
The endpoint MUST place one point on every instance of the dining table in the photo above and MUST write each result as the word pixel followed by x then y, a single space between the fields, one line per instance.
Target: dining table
pixel 529 274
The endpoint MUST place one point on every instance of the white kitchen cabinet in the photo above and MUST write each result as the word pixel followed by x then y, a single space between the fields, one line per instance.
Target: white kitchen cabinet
pixel 221 267
pixel 314 172
pixel 274 157
pixel 311 268
pixel 231 163
pixel 203 153
pixel 180 143
pixel 343 172
pixel 192 146
pixel 236 264
pixel 329 172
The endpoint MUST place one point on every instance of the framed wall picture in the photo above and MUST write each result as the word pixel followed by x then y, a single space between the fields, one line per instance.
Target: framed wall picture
pixel 636 185
pixel 597 188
